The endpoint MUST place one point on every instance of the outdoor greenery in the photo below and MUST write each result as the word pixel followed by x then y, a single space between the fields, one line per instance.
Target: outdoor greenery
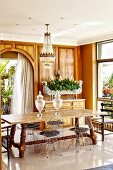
pixel 65 84
pixel 110 81
pixel 7 77
pixel 108 87
pixel 3 64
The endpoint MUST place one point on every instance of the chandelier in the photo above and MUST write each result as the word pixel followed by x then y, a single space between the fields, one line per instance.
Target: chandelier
pixel 47 56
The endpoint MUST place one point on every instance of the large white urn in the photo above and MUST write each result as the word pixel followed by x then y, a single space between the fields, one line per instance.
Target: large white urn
pixel 57 102
pixel 40 103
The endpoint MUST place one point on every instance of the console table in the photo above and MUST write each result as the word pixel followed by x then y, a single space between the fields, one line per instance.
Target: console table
pixel 67 104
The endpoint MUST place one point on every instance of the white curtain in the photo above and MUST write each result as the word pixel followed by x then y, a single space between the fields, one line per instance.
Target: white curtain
pixel 22 100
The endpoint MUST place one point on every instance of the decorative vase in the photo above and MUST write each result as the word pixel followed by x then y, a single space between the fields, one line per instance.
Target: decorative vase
pixel 40 103
pixel 57 102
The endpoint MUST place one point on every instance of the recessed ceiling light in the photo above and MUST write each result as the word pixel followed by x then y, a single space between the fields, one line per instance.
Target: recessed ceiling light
pixel 17 24
pixel 61 18
pixel 29 18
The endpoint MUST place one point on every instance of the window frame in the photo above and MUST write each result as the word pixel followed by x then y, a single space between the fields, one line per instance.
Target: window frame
pixel 98 61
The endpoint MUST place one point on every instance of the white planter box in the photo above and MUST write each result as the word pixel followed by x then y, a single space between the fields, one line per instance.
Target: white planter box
pixel 47 91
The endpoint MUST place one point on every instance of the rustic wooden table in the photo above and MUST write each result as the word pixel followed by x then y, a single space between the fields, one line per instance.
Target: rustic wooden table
pixel 27 118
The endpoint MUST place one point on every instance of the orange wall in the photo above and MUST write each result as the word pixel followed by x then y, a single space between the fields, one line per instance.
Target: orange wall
pixel 89 74
pixel 78 65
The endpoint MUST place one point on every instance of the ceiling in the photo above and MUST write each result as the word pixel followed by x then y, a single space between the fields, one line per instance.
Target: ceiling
pixel 72 22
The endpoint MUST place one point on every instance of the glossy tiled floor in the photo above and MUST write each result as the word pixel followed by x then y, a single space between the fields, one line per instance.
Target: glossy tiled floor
pixel 100 154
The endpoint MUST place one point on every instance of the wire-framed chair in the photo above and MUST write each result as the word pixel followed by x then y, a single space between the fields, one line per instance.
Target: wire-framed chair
pixel 5 131
pixel 32 130
pixel 81 129
pixel 52 134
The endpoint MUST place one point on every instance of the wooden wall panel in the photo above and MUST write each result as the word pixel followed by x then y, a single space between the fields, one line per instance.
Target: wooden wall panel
pixel 66 62
pixel 78 63
pixel 5 46
pixel 28 48
pixel 56 60
pixel 10 55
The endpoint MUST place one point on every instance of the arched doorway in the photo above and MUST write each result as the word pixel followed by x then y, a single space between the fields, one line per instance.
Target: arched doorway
pixel 10 56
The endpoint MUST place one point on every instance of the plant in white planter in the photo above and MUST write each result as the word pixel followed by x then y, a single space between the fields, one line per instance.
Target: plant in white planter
pixel 65 86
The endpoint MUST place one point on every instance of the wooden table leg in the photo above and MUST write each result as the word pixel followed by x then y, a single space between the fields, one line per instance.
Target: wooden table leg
pixel 92 133
pixel 76 122
pixel 12 134
pixel 22 141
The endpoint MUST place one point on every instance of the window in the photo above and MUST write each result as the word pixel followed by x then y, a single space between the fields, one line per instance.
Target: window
pixel 105 50
pixel 105 69
pixel 105 73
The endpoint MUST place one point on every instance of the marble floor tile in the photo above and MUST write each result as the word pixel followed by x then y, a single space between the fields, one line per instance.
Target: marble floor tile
pixel 36 158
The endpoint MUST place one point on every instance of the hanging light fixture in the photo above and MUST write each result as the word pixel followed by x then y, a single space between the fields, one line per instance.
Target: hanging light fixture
pixel 47 56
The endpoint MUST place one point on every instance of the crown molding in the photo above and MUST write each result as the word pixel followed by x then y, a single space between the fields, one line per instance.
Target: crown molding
pixel 35 39
pixel 59 41
pixel 19 37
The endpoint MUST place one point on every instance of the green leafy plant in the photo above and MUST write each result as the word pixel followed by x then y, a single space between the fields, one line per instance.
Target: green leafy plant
pixel 110 81
pixel 65 84
pixel 7 78
pixel 3 64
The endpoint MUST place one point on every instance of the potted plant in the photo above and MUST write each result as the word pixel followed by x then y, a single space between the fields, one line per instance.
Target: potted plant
pixel 65 86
